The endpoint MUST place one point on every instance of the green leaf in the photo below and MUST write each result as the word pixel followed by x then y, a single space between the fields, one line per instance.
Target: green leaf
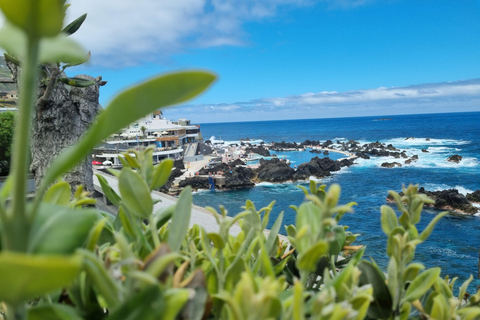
pixel 336 245
pixel 39 18
pixel 25 276
pixel 161 174
pixel 127 224
pixel 389 219
pixel 175 300
pixel 11 59
pixel 421 284
pixel 305 191
pixel 127 107
pixel 439 308
pixel 60 230
pixel 95 235
pixel 291 231
pixel 342 282
pixel 313 187
pixel 163 215
pixel 132 161
pixel 59 193
pixel 308 260
pixel 269 245
pixel 73 26
pixel 147 304
pixel 101 279
pixel 428 230
pixel 111 195
pixel 333 194
pixel 77 82
pixel 469 313
pixel 412 271
pixel 135 193
pixel 159 261
pixel 53 312
pixel 52 49
pixel 217 240
pixel 391 242
pixel 405 311
pixel 298 301
pixel 463 288
pixel 180 220
pixel 381 306
pixel 265 262
pixel 251 221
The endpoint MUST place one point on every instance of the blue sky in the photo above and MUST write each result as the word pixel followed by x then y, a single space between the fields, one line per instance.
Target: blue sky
pixel 292 59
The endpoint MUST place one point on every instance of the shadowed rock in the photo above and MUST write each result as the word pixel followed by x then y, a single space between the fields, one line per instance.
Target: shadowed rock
pixel 455 158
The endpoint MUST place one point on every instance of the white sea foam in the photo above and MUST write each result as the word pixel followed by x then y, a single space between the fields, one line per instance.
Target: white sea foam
pixel 403 142
pixel 443 186
pixel 435 158
pixel 200 191
pixel 315 179
pixel 231 142
pixel 449 253
pixel 265 184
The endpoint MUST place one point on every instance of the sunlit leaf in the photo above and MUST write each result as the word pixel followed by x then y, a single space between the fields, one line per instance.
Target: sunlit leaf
pixel 272 236
pixel 180 219
pixel 24 276
pixel 421 284
pixel 60 230
pixel 428 230
pixel 39 18
pixel 161 174
pixel 111 195
pixel 77 82
pixel 135 193
pixel 73 26
pixel 53 312
pixel 59 193
pixel 388 220
pixel 216 240
pixel 58 48
pixel 308 259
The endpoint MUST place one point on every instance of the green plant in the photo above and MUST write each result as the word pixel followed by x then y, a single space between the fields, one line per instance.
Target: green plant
pixel 38 252
pixel 6 135
pixel 59 260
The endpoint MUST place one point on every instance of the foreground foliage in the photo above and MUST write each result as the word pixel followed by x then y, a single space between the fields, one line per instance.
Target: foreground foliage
pixel 59 260
pixel 6 135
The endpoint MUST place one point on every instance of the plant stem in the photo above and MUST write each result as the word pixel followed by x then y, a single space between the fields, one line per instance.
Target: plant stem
pixel 18 220
pixel 154 231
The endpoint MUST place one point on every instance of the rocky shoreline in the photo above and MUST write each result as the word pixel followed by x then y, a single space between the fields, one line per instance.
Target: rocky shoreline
pixel 451 200
pixel 237 174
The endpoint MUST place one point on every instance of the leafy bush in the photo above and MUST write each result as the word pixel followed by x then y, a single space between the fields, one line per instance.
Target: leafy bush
pixel 6 135
pixel 59 260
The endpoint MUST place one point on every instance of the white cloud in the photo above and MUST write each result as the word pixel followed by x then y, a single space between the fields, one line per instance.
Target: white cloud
pixel 125 32
pixel 128 32
pixel 416 92
pixel 426 98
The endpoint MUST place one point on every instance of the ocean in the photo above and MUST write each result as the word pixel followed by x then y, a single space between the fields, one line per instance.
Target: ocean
pixel 454 244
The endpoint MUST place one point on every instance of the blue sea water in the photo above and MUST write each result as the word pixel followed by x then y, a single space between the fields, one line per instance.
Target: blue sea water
pixel 455 242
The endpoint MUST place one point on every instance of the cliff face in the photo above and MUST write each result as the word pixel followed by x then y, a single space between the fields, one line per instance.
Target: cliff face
pixel 60 118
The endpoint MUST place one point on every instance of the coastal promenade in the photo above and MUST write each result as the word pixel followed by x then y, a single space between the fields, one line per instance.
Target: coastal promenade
pixel 200 216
